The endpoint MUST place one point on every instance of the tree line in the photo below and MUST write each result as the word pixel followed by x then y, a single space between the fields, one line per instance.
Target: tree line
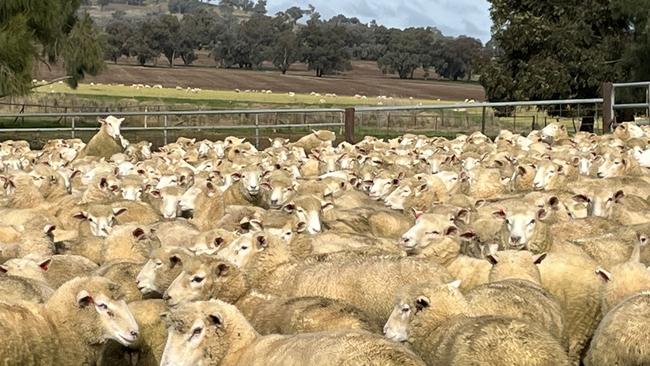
pixel 326 45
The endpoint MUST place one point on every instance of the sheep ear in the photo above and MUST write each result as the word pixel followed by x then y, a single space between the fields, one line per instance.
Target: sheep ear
pixel 49 229
pixel 101 121
pixel 499 214
pixel 45 264
pixel 164 316
pixel 84 299
pixel 261 242
pixel 618 195
pixel 468 235
pixel 422 302
pixel 301 227
pixel 3 269
pixel 454 284
pixel 452 230
pixel 605 275
pixel 138 233
pixel 492 258
pixel 222 269
pixel 537 259
pixel 81 215
pixel 326 205
pixel 119 210
pixel 462 215
pixel 174 260
pixel 218 241
pixel 216 319
pixel 581 198
pixel 542 214
pixel 289 208
pixel 554 202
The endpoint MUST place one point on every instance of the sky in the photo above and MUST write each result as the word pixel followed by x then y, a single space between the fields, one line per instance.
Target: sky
pixel 452 17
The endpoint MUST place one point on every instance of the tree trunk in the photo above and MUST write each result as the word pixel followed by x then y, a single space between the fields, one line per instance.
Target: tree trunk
pixel 171 60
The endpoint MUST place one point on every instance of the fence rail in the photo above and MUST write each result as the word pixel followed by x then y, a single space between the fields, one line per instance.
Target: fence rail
pixel 351 122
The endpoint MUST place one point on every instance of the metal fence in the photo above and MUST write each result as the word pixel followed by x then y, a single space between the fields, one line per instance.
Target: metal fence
pixel 352 124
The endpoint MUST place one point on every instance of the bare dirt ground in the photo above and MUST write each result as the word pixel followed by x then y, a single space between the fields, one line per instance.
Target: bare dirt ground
pixel 364 79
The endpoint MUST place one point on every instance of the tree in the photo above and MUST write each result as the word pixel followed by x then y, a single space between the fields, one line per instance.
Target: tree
pixel 146 41
pixel 169 39
pixel 403 55
pixel 119 32
pixel 457 57
pixel 324 46
pixel 554 50
pixel 41 30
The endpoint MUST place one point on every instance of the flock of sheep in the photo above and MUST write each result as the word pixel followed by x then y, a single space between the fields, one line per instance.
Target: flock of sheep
pixel 525 250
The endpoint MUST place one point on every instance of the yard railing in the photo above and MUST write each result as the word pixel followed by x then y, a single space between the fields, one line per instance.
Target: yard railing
pixel 161 127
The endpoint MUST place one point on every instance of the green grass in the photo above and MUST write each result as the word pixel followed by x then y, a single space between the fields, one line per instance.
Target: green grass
pixel 223 98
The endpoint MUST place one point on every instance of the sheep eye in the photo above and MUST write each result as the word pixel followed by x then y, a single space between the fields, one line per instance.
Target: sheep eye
pixel 532 221
pixel 406 309
pixel 507 222
pixel 197 279
pixel 197 331
pixel 244 247
pixel 433 233
pixel 102 306
pixel 159 263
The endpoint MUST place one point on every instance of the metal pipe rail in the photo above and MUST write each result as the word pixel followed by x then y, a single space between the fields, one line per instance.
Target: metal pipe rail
pixel 481 105
pixel 177 113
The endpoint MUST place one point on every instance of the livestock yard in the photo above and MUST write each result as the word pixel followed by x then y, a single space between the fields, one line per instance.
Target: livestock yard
pixel 522 250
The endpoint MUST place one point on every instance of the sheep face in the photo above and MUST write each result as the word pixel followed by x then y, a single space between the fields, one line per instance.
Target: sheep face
pixel 160 270
pixel 131 192
pixel 307 210
pixel 382 187
pixel 100 219
pixel 449 179
pixel 26 267
pixel 396 198
pixel 240 251
pixel 170 198
pixel 112 125
pixel 166 181
pixel 200 333
pixel 600 202
pixel 116 319
pixel 546 175
pixel 250 179
pixel 428 228
pixel 196 281
pixel 519 226
pixel 281 193
pixel 413 301
pixel 612 167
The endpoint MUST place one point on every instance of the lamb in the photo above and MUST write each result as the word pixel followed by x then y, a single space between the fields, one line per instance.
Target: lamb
pixel 269 269
pixel 75 322
pixel 225 337
pixel 621 337
pixel 442 328
pixel 123 272
pixel 106 142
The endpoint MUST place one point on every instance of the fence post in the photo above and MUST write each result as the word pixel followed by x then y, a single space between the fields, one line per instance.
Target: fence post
pixel 349 125
pixel 257 131
pixel 165 130
pixel 608 106
pixel 72 125
pixel 483 120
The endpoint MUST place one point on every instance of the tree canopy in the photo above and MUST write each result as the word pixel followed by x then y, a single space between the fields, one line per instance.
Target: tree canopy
pixel 44 31
pixel 564 49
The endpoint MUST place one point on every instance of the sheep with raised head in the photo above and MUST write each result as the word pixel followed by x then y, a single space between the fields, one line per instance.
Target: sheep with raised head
pixel 107 141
